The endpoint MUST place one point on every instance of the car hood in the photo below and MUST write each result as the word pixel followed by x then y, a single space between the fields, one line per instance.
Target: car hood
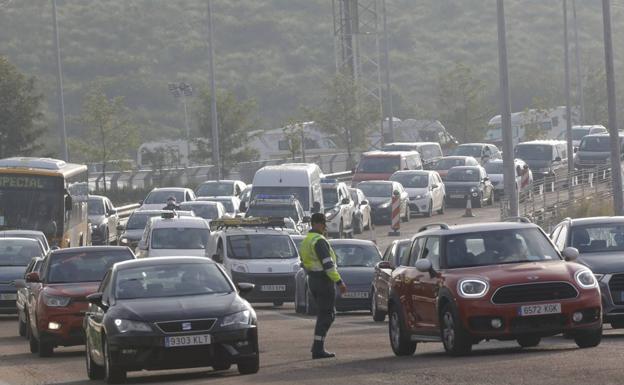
pixel 603 263
pixel 179 308
pixel 11 273
pixel 73 290
pixel 96 219
pixel 376 201
pixel 592 155
pixel 518 273
pixel 274 266
pixel 414 191
pixel 357 276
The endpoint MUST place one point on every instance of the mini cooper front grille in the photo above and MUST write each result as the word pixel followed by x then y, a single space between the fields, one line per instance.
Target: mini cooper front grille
pixel 616 286
pixel 199 325
pixel 534 292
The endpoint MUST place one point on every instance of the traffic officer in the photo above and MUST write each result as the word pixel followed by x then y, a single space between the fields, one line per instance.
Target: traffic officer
pixel 319 262
pixel 172 204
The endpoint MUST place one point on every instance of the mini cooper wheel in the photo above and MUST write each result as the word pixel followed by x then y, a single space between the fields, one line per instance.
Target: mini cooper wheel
pixel 455 339
pixel 400 341
pixel 588 338
pixel 94 371
pixel 113 373
pixel 378 316
pixel 249 365
pixel 529 341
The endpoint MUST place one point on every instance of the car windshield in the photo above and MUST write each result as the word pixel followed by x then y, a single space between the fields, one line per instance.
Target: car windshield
pixel 273 210
pixel 206 211
pixel 463 175
pixel 411 180
pixel 595 144
pixel 498 247
pixel 215 189
pixel 261 246
pixel 579 133
pixel 379 164
pixel 352 255
pixel 83 266
pixel 447 163
pixel 185 238
pixel 399 147
pixel 534 152
pixel 301 193
pixel 471 150
pixel 96 207
pixel 376 190
pixel 598 238
pixel 161 196
pixel 330 196
pixel 170 280
pixel 18 252
pixel 138 220
pixel 494 167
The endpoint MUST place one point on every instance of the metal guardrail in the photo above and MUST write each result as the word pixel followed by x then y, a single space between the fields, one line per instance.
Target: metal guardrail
pixel 343 176
pixel 127 210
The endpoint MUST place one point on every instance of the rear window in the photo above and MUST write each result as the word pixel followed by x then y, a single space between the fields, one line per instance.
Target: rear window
pixel 471 150
pixel 209 211
pixel 351 255
pixel 379 165
pixel 83 266
pixel 463 175
pixel 494 168
pixel 447 163
pixel 18 252
pixel 595 144
pixel 215 189
pixel 161 196
pixel 376 189
pixel 411 180
pixel 534 152
pixel 261 246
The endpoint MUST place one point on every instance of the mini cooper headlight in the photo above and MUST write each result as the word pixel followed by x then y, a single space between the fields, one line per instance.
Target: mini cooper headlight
pixel 55 300
pixel 125 325
pixel 473 288
pixel 585 279
pixel 240 318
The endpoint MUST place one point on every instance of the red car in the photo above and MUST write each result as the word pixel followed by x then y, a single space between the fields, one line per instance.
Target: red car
pixel 57 301
pixel 504 281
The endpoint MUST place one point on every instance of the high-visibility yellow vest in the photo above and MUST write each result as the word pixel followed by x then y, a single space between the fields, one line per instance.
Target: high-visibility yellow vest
pixel 311 261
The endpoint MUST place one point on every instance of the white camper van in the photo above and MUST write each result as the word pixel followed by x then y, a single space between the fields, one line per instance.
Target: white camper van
pixel 302 180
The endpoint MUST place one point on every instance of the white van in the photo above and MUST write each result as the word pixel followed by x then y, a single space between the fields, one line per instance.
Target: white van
pixel 302 180
pixel 173 235
pixel 258 251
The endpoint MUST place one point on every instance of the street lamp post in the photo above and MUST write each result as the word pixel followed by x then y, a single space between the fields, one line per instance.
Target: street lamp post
pixel 216 156
pixel 59 84
pixel 183 90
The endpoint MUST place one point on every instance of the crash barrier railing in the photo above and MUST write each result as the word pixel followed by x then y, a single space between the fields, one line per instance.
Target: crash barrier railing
pixel 127 210
pixel 546 201
pixel 343 176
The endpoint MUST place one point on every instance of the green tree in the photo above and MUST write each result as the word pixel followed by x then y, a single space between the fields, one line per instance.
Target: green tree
pixel 595 96
pixel 236 120
pixel 20 112
pixel 462 104
pixel 346 113
pixel 110 133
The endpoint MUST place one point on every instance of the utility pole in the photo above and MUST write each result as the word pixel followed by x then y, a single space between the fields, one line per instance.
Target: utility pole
pixel 388 108
pixel 579 77
pixel 509 173
pixel 566 53
pixel 184 90
pixel 216 156
pixel 59 85
pixel 616 166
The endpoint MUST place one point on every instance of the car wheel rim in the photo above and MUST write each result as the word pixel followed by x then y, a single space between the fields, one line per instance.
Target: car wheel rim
pixel 449 330
pixel 394 329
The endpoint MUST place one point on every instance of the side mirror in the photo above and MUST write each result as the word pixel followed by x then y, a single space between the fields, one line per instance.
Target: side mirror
pixel 558 159
pixel 121 227
pixel 242 207
pixel 96 299
pixel 385 265
pixel 364 202
pixel 112 211
pixel 345 201
pixel 486 178
pixel 19 283
pixel 424 266
pixel 244 287
pixel 570 254
pixel 306 219
pixel 141 202
pixel 217 258
pixel 434 186
pixel 33 277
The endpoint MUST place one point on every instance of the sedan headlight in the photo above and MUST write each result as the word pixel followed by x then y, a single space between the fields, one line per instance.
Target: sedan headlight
pixel 240 318
pixel 125 325
pixel 417 197
pixel 239 267
pixel 385 205
pixel 585 279
pixel 474 189
pixel 473 288
pixel 56 300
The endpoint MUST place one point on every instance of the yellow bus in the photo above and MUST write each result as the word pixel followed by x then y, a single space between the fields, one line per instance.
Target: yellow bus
pixel 48 195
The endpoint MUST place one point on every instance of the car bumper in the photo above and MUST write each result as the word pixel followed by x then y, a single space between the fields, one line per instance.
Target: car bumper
pixel 8 303
pixel 612 301
pixel 134 353
pixel 419 206
pixel 478 315
pixel 70 331
pixel 268 286
pixel 381 215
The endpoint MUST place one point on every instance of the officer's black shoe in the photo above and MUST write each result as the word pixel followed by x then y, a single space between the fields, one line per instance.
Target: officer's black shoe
pixel 322 354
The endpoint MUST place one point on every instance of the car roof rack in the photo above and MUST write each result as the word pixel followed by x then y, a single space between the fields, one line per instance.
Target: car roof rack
pixel 517 219
pixel 268 222
pixel 442 226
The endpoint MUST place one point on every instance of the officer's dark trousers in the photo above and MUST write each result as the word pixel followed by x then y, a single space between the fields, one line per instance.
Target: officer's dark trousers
pixel 323 291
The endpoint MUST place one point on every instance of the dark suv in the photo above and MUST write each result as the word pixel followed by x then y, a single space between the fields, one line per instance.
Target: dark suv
pixel 600 242
pixel 506 281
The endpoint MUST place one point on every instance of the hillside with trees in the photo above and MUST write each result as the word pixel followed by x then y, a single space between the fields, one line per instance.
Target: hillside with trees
pixel 278 56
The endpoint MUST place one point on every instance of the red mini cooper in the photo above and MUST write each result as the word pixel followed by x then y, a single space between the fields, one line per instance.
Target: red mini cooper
pixel 504 281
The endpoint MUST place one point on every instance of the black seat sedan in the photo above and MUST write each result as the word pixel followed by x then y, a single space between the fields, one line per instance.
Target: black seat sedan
pixel 169 313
